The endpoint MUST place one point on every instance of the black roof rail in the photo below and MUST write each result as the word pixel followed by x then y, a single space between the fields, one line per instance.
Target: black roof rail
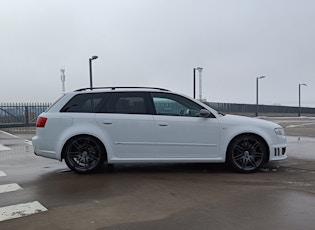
pixel 120 87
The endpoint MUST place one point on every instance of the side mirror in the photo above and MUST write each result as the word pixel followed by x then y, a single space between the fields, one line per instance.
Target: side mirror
pixel 204 113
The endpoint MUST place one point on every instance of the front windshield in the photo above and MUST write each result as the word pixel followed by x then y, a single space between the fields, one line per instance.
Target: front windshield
pixel 208 106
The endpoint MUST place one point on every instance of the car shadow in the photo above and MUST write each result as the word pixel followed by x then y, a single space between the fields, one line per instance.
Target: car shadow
pixel 165 168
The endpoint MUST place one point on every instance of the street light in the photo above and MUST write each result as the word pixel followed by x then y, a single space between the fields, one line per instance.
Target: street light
pixel 261 77
pixel 90 64
pixel 194 73
pixel 300 98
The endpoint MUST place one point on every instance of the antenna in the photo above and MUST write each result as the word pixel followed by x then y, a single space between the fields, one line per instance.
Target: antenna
pixel 63 79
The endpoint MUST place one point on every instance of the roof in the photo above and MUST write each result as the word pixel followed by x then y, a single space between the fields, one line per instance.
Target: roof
pixel 119 87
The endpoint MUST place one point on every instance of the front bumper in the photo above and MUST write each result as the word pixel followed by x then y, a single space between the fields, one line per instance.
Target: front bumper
pixel 278 152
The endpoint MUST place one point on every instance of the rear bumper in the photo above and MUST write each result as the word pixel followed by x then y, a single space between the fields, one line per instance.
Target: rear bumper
pixel 41 152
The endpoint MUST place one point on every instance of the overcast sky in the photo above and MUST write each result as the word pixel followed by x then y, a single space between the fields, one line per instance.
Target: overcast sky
pixel 158 43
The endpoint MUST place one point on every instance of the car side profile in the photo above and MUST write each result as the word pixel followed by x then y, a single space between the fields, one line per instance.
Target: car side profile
pixel 88 127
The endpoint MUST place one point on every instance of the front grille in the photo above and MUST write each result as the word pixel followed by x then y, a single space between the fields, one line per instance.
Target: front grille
pixel 283 151
pixel 279 151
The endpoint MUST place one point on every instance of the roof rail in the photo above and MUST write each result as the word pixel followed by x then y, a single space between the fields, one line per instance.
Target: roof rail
pixel 120 87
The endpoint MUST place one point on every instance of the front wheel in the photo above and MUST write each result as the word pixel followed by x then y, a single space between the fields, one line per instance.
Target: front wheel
pixel 84 154
pixel 247 153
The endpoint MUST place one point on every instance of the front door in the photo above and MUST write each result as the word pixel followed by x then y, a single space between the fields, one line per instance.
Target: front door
pixel 180 131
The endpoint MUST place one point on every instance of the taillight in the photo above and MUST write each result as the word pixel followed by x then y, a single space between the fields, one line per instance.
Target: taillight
pixel 41 121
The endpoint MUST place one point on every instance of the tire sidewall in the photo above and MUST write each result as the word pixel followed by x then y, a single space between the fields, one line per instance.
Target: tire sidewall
pixel 70 164
pixel 237 140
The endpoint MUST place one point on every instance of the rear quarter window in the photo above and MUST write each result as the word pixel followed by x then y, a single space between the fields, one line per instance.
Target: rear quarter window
pixel 85 103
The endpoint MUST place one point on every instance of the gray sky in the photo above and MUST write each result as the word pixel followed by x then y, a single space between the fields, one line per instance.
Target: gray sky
pixel 158 43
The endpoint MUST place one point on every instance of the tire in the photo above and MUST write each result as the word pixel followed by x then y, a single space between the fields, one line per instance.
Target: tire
pixel 247 153
pixel 84 154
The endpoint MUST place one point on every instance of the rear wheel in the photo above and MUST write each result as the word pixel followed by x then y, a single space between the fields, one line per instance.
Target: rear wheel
pixel 84 154
pixel 247 153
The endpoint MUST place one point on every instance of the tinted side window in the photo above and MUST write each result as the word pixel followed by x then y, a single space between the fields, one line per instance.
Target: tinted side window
pixel 174 105
pixel 85 103
pixel 126 102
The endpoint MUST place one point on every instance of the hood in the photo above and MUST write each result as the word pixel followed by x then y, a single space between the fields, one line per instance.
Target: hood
pixel 234 119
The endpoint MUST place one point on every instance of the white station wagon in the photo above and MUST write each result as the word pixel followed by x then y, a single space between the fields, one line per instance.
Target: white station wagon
pixel 88 127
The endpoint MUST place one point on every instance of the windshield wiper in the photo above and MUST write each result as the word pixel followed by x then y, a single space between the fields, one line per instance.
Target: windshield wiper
pixel 223 114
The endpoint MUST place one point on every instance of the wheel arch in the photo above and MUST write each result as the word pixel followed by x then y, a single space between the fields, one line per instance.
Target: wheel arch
pixel 252 134
pixel 85 135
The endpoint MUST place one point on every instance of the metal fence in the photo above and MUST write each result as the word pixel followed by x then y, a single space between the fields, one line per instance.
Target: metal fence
pixel 25 114
pixel 20 114
pixel 264 110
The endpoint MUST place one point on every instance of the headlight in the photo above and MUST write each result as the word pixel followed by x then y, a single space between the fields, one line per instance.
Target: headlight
pixel 279 131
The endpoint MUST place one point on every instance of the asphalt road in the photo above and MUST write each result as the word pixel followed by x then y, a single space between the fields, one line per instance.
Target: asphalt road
pixel 160 196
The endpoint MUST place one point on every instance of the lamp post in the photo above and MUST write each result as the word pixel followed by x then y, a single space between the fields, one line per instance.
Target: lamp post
pixel 90 65
pixel 194 83
pixel 257 79
pixel 300 98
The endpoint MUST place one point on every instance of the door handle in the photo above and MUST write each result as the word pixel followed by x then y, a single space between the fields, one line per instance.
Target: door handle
pixel 163 124
pixel 107 122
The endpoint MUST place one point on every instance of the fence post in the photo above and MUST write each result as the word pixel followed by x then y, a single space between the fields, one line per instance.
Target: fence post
pixel 26 116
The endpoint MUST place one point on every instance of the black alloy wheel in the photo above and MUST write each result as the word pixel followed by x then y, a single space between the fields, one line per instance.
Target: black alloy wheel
pixel 84 154
pixel 247 153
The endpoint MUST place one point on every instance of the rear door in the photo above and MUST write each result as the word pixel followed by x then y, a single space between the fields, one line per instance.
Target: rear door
pixel 126 121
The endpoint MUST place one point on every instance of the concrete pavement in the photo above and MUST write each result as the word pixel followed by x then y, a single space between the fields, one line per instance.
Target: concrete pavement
pixel 163 196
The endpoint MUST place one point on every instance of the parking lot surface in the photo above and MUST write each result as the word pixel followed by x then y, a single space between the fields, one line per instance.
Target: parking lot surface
pixel 158 196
